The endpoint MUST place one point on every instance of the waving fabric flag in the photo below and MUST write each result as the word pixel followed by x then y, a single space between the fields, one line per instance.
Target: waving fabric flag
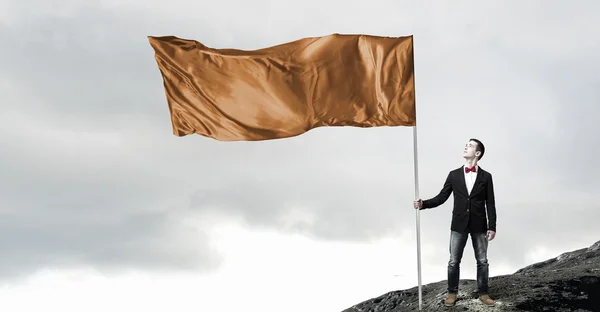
pixel 288 89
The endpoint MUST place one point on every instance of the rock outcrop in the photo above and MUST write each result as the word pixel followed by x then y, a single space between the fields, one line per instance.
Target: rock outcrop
pixel 569 282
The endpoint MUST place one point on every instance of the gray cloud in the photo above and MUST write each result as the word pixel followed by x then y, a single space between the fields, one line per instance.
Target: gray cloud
pixel 67 206
pixel 91 174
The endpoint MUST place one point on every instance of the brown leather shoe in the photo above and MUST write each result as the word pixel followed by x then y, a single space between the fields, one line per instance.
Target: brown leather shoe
pixel 487 300
pixel 450 300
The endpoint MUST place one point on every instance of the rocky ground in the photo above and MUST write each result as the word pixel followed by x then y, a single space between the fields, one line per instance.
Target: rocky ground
pixel 569 282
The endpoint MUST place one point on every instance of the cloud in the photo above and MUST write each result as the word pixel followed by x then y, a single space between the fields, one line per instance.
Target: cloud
pixel 71 198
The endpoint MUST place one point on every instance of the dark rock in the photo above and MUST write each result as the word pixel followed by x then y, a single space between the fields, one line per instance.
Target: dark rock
pixel 595 246
pixel 569 282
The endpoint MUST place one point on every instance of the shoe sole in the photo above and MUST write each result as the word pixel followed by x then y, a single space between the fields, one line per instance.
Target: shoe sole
pixel 449 304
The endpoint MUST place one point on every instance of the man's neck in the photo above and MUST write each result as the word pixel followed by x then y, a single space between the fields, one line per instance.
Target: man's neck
pixel 471 163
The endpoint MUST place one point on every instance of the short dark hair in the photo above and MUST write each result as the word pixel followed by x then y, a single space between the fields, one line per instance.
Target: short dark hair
pixel 480 148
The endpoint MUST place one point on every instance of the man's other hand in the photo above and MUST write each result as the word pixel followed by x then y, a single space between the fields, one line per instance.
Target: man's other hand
pixel 491 235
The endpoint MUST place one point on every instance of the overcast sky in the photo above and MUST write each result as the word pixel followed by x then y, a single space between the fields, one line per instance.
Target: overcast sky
pixel 102 208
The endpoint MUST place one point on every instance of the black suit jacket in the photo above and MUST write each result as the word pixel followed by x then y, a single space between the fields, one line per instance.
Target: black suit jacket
pixel 469 213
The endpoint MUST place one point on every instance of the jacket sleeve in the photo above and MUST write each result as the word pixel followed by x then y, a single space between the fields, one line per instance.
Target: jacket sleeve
pixel 490 202
pixel 441 197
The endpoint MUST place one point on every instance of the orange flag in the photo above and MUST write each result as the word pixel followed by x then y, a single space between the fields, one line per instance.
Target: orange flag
pixel 288 89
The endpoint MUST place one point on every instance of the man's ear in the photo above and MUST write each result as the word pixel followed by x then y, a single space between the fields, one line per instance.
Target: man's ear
pixel 477 153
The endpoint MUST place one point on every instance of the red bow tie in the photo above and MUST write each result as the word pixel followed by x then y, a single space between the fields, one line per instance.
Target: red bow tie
pixel 472 169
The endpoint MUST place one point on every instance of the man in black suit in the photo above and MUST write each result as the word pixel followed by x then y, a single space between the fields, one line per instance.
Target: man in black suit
pixel 473 190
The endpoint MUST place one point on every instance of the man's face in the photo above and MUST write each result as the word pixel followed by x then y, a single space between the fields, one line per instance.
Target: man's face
pixel 470 150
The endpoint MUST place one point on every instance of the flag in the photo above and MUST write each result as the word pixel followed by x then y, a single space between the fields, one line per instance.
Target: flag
pixel 288 89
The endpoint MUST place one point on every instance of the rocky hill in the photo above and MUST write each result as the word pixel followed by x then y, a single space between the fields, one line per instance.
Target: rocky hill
pixel 569 282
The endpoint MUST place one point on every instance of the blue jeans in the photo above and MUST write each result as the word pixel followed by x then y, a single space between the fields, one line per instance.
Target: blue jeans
pixel 457 246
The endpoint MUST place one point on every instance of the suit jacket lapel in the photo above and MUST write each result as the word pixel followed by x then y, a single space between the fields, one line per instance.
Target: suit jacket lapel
pixel 460 175
pixel 476 184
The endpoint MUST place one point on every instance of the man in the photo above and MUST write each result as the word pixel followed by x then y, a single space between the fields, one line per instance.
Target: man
pixel 473 196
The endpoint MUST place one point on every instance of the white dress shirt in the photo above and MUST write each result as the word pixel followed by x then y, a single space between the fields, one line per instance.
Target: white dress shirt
pixel 470 178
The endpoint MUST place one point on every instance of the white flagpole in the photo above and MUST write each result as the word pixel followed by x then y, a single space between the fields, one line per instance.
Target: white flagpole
pixel 416 165
pixel 418 211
